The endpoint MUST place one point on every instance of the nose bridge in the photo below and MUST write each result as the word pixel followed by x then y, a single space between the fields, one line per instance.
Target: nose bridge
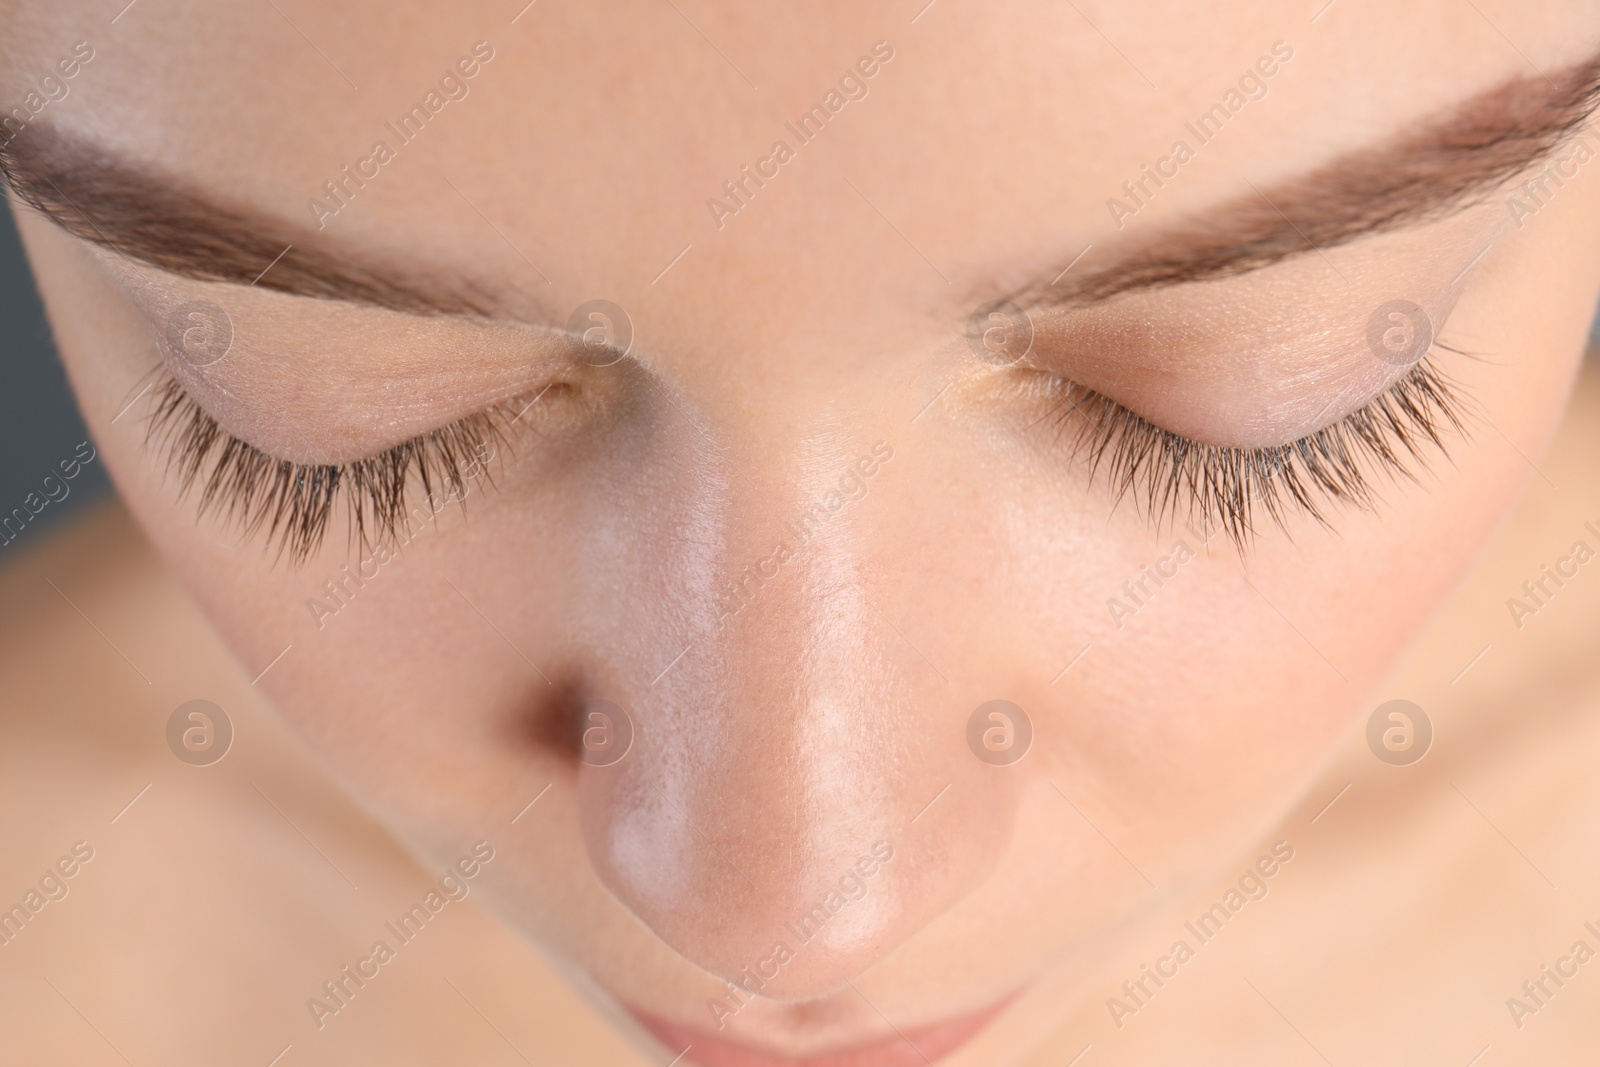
pixel 783 753
pixel 812 719
pixel 764 740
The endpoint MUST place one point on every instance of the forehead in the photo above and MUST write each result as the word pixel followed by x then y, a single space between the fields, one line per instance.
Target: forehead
pixel 621 149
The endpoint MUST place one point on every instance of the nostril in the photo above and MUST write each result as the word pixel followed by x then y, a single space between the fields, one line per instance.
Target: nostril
pixel 552 719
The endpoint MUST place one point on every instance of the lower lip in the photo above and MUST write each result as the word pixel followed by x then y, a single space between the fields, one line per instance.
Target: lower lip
pixel 911 1048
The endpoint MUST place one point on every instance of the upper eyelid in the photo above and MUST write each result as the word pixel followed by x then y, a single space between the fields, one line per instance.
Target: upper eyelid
pixel 1247 449
pixel 371 376
pixel 1348 389
pixel 1329 459
pixel 299 410
pixel 258 489
pixel 516 405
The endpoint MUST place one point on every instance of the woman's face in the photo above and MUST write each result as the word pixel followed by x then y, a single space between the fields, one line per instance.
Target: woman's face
pixel 729 611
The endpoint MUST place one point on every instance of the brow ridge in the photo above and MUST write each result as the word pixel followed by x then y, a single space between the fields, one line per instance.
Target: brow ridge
pixel 1436 168
pixel 156 218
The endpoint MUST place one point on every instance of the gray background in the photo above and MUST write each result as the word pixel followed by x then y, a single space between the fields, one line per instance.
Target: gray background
pixel 39 423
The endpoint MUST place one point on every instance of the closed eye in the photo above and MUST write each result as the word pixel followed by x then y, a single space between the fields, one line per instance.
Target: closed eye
pixel 1229 489
pixel 295 502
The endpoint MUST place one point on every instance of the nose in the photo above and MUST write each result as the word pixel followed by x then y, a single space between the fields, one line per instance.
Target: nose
pixel 798 796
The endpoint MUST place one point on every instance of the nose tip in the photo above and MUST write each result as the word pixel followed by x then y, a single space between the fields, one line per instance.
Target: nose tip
pixel 788 848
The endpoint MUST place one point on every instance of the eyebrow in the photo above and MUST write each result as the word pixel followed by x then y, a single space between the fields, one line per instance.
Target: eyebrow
pixel 1437 168
pixel 149 215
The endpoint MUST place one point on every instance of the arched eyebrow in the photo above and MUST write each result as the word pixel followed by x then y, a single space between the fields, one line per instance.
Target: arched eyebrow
pixel 1435 169
pixel 1438 167
pixel 154 217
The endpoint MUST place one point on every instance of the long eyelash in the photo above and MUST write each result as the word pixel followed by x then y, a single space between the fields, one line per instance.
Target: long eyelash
pixel 296 501
pixel 1228 488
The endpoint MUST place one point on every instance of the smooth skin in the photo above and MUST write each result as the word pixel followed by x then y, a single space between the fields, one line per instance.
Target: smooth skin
pixel 774 746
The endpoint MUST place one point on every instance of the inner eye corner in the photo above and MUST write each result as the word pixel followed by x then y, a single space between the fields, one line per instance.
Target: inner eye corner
pixel 561 390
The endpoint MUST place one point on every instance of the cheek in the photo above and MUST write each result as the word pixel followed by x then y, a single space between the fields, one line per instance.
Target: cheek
pixel 1200 696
